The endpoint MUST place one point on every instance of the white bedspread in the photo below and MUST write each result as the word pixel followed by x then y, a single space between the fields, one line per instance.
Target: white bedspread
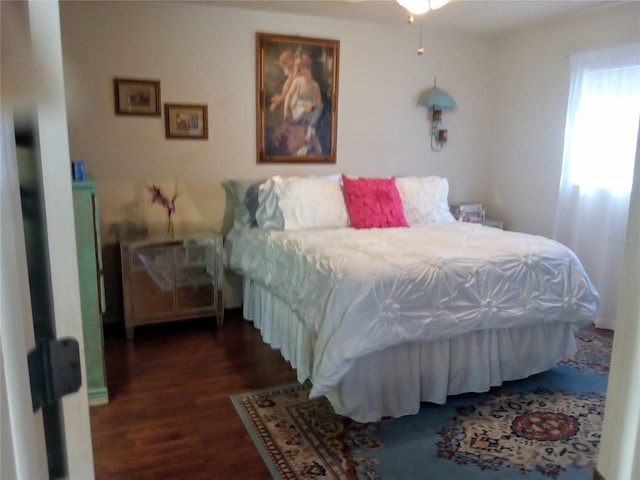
pixel 360 291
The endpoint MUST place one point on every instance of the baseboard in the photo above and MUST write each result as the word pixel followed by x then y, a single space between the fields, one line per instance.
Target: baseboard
pixel 111 319
pixel 98 396
pixel 597 475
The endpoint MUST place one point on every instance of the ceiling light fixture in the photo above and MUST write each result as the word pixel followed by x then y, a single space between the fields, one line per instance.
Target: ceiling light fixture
pixel 418 7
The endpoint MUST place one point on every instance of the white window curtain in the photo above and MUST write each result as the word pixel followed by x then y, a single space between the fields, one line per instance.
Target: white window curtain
pixel 603 115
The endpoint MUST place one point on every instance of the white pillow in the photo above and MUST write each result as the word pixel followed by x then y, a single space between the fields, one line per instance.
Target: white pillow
pixel 424 199
pixel 295 203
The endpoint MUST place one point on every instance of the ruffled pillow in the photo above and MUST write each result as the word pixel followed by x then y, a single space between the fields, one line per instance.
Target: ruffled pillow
pixel 425 199
pixel 373 202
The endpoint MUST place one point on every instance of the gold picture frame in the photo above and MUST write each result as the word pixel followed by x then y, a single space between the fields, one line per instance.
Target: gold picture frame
pixel 136 97
pixel 186 121
pixel 296 98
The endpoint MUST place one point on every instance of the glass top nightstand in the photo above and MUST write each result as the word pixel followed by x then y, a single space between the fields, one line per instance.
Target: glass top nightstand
pixel 493 222
pixel 169 278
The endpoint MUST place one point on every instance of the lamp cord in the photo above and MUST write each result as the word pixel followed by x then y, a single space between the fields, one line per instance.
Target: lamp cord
pixel 433 149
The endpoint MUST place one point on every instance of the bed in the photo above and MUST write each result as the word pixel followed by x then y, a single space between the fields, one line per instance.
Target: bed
pixel 379 298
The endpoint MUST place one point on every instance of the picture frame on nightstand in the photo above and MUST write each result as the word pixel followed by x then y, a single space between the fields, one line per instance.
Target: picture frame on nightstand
pixel 474 213
pixel 468 212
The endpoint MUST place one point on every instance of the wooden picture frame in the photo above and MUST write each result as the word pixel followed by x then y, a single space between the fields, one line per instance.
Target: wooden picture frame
pixel 296 98
pixel 136 97
pixel 186 121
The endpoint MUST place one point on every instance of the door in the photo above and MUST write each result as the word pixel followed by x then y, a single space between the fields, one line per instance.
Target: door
pixel 23 445
pixel 31 30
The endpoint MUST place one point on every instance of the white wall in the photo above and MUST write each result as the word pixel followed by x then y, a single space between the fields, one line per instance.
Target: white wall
pixel 531 88
pixel 505 139
pixel 206 54
pixel 203 53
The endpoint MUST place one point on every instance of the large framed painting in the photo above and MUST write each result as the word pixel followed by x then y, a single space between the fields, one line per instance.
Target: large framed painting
pixel 296 98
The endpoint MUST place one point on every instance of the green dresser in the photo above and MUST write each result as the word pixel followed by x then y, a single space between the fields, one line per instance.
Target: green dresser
pixel 87 221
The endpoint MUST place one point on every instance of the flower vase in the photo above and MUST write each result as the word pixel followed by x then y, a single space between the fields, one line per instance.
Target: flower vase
pixel 170 225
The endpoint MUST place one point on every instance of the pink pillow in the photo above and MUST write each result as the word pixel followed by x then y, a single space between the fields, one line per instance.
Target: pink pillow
pixel 373 202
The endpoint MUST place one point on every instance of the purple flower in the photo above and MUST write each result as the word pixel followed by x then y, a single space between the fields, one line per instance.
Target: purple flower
pixel 158 196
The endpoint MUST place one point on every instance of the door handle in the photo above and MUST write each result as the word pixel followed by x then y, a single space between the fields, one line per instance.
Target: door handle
pixel 54 370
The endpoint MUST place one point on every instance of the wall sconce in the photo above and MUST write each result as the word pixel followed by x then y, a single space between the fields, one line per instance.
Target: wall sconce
pixel 436 101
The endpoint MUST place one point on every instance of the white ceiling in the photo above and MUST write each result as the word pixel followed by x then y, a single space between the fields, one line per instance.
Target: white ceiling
pixel 484 17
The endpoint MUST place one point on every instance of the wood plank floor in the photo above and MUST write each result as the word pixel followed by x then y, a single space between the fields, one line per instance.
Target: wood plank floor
pixel 170 415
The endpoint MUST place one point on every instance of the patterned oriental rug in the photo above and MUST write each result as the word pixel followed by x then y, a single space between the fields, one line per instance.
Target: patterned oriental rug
pixel 544 427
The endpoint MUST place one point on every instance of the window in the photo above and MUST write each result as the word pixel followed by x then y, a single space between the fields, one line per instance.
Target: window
pixel 600 140
pixel 602 120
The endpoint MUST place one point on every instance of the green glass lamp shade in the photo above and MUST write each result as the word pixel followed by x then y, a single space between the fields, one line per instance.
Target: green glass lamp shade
pixel 436 98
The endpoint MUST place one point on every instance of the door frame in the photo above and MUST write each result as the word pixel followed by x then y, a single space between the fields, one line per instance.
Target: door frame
pixel 47 92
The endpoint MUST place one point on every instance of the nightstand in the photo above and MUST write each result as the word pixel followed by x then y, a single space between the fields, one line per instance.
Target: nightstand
pixel 167 279
pixel 493 222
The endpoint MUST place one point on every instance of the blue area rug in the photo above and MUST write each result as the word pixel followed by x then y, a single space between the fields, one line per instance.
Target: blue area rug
pixel 544 427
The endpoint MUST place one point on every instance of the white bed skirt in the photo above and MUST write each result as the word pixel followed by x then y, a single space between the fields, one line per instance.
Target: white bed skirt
pixel 393 382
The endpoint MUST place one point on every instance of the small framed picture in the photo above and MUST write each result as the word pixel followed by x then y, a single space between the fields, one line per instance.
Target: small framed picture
pixel 137 97
pixel 186 121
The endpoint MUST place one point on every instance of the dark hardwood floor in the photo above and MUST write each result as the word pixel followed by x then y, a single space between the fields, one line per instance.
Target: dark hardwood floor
pixel 169 414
